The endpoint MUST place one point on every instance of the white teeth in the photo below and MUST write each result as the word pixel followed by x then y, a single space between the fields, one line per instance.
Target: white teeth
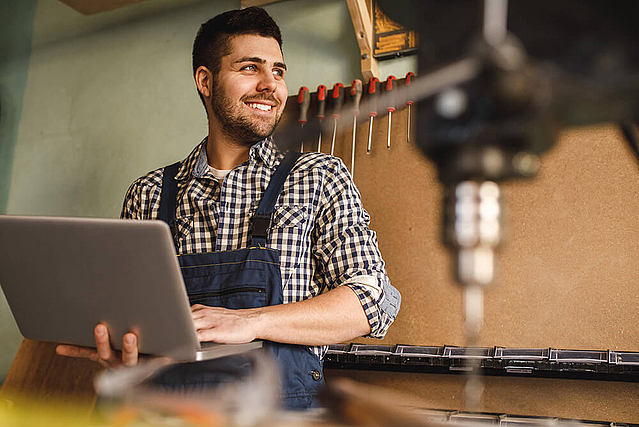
pixel 262 107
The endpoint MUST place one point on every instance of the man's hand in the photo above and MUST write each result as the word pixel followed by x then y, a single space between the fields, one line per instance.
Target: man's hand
pixel 329 318
pixel 103 353
pixel 223 325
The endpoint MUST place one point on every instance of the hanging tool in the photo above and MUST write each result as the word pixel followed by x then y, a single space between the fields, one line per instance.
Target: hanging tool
pixel 338 100
pixel 409 102
pixel 391 82
pixel 321 107
pixel 356 95
pixel 373 90
pixel 304 101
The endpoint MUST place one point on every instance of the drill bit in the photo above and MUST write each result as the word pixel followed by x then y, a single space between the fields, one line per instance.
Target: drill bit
pixel 304 101
pixel 338 100
pixel 321 106
pixel 373 90
pixel 391 82
pixel 409 103
pixel 356 95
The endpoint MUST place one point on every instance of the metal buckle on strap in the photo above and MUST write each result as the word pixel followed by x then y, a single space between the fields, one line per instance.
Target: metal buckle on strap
pixel 261 224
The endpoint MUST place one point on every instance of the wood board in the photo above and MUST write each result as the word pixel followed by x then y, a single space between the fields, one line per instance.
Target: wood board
pixel 567 276
pixel 568 272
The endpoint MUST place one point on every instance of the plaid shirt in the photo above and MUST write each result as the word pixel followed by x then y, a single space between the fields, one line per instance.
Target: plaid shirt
pixel 319 225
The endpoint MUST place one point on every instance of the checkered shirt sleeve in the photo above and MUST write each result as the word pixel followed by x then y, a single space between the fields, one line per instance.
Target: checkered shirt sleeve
pixel 346 248
pixel 142 200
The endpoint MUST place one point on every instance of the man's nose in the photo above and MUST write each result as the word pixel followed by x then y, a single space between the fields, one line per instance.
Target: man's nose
pixel 267 82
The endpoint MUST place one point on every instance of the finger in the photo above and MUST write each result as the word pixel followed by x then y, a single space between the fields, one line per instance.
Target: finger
pixel 103 347
pixel 198 307
pixel 199 324
pixel 205 322
pixel 206 311
pixel 130 349
pixel 75 351
pixel 201 311
pixel 208 335
pixel 198 315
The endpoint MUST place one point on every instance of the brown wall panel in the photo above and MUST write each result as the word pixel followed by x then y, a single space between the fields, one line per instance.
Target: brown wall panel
pixel 569 270
pixel 568 274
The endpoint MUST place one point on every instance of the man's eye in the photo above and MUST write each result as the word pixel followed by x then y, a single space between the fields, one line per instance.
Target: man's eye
pixel 249 68
pixel 278 73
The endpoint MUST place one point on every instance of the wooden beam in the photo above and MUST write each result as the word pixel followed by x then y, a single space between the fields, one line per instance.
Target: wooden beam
pixel 249 3
pixel 90 7
pixel 363 25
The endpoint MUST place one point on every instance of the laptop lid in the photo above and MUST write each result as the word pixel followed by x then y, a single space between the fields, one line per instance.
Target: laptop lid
pixel 61 276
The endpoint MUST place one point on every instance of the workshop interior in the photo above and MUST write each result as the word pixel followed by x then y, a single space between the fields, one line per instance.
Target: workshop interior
pixel 494 144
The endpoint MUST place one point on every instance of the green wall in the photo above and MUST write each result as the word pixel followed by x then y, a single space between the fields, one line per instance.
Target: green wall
pixel 110 96
pixel 16 30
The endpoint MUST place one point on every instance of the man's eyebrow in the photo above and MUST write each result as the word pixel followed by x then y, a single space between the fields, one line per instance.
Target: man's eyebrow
pixel 259 60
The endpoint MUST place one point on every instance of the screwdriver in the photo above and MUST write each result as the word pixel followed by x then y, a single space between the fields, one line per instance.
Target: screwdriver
pixel 409 102
pixel 338 100
pixel 391 82
pixel 321 106
pixel 356 94
pixel 304 101
pixel 373 90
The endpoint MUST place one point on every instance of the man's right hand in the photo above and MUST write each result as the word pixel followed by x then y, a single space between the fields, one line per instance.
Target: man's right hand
pixel 103 353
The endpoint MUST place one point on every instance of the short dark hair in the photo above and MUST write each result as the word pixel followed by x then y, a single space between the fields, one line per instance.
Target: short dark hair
pixel 213 40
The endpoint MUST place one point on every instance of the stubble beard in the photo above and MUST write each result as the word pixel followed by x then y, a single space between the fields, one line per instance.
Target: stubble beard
pixel 236 125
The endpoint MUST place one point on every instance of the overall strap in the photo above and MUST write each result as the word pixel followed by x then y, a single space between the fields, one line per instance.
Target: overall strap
pixel 168 197
pixel 262 218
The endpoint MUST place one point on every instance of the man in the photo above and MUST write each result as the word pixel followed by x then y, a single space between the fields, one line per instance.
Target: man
pixel 237 201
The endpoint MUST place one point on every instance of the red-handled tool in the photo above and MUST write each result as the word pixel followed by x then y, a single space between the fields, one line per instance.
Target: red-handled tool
pixel 304 101
pixel 338 100
pixel 391 83
pixel 321 108
pixel 409 102
pixel 356 96
pixel 373 90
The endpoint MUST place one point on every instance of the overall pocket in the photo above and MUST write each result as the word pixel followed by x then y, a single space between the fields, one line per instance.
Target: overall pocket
pixel 246 278
pixel 241 289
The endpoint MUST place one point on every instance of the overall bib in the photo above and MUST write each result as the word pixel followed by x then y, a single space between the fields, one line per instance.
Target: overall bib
pixel 244 278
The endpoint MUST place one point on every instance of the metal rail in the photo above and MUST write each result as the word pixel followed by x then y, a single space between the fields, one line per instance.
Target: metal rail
pixel 530 362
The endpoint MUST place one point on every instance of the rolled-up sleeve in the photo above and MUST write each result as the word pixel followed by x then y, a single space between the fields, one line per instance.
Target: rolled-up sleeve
pixel 346 248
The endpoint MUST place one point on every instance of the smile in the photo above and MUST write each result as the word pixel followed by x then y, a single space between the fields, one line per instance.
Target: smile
pixel 261 107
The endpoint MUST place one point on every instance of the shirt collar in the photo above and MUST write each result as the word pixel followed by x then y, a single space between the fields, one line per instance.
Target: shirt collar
pixel 197 165
pixel 266 151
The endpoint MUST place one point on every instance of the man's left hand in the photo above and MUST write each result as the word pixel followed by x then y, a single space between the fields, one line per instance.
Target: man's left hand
pixel 223 325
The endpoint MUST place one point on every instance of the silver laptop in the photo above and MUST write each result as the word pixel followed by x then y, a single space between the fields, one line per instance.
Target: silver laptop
pixel 62 276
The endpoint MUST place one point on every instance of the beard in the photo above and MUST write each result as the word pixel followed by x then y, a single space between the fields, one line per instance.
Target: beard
pixel 236 124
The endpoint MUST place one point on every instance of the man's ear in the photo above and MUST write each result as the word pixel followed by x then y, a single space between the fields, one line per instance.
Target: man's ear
pixel 204 81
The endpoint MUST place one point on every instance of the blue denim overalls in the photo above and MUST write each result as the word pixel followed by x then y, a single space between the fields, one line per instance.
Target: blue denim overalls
pixel 244 278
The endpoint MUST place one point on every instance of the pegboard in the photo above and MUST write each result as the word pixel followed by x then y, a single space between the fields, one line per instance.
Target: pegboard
pixel 568 273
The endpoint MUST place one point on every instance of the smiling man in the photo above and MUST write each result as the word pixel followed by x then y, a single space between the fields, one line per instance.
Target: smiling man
pixel 246 94
pixel 273 246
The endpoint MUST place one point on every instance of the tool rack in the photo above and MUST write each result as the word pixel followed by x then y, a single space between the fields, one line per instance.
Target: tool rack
pixel 536 362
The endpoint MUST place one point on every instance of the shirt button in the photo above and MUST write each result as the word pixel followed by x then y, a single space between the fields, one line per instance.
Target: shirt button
pixel 316 375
